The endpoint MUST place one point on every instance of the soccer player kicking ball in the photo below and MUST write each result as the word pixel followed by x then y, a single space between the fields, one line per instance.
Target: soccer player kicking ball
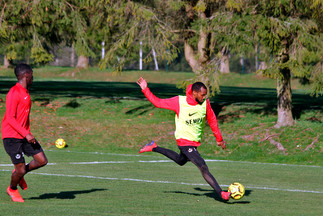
pixel 15 129
pixel 191 112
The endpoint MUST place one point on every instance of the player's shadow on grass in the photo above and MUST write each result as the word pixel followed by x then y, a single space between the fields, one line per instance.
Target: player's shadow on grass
pixel 213 195
pixel 140 110
pixel 64 194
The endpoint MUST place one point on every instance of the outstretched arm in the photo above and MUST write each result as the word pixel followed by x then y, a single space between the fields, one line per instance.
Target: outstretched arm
pixel 169 103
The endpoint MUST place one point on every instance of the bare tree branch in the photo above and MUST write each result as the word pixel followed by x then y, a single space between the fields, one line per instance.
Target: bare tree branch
pixel 316 139
pixel 278 145
pixel 2 12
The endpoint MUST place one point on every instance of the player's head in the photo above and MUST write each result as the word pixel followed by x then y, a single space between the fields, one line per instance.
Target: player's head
pixel 24 71
pixel 21 69
pixel 199 92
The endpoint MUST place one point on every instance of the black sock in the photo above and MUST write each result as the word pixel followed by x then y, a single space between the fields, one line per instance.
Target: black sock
pixel 13 187
pixel 27 168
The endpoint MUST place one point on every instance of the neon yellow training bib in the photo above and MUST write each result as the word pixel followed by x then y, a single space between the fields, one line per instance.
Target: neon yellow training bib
pixel 191 120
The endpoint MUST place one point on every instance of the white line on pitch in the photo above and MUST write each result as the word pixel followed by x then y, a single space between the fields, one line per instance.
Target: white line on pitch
pixel 207 160
pixel 96 153
pixel 248 162
pixel 168 161
pixel 102 162
pixel 166 182
pixel 4 165
pixel 111 162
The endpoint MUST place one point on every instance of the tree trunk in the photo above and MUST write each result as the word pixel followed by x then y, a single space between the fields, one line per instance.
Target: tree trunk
pixel 140 56
pixel 284 100
pixel 199 57
pixel 155 60
pixel 262 65
pixel 224 63
pixel 242 64
pixel 82 62
pixel 190 57
pixel 284 91
pixel 6 62
pixel 257 51
pixel 72 56
pixel 197 64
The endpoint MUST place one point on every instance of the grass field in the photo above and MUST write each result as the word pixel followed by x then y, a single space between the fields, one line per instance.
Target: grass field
pixel 105 120
pixel 89 183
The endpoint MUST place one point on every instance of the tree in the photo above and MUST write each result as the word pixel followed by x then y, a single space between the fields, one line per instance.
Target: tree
pixel 294 36
pixel 83 25
pixel 130 23
pixel 24 26
pixel 290 29
pixel 201 26
pixel 292 32
pixel 40 25
pixel 29 31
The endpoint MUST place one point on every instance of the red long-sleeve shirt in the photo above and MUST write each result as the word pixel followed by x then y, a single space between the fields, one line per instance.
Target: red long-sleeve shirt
pixel 173 104
pixel 15 123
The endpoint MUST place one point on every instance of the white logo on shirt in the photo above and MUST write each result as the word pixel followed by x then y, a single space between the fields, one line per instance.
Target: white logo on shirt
pixel 26 97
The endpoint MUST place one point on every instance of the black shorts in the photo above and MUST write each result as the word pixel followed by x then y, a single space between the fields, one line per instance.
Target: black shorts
pixel 17 148
pixel 190 153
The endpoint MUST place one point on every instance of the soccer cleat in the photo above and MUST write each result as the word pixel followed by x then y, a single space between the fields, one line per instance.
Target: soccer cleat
pixel 22 182
pixel 15 195
pixel 225 195
pixel 148 147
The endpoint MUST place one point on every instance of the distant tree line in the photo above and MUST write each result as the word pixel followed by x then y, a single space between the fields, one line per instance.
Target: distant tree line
pixel 284 36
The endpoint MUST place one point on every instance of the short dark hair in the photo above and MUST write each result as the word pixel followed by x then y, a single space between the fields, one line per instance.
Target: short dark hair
pixel 197 86
pixel 21 69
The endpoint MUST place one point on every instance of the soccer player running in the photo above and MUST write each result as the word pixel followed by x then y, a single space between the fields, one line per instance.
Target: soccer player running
pixel 191 112
pixel 15 129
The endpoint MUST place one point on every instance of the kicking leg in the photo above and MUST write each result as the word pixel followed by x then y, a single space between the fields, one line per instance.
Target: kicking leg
pixel 194 156
pixel 180 159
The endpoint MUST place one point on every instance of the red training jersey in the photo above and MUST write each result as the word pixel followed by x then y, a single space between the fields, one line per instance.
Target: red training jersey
pixel 15 123
pixel 173 104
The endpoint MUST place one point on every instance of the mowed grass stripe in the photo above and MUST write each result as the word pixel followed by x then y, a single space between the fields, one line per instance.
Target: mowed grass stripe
pixel 140 188
pixel 166 182
pixel 170 161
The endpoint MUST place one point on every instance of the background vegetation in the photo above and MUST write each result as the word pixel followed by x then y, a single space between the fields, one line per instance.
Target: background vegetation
pixel 105 118
pixel 114 116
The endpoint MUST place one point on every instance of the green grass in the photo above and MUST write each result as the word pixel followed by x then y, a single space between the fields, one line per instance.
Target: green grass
pixel 95 74
pixel 113 119
pixel 113 125
pixel 122 188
